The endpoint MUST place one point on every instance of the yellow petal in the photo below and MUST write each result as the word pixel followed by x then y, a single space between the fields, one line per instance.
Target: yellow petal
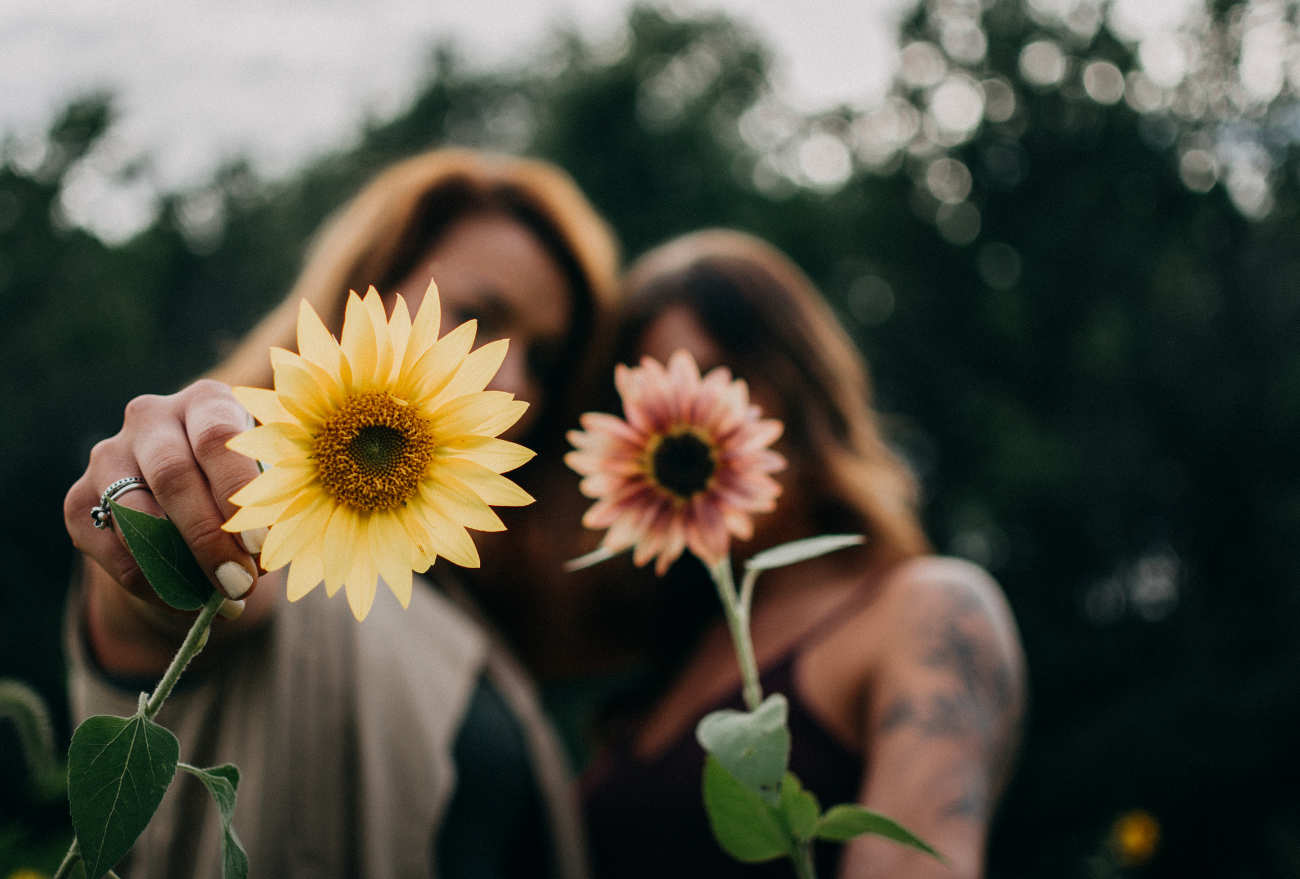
pixel 495 454
pixel 256 517
pixel 275 485
pixel 492 488
pixel 392 554
pixel 262 404
pixel 475 373
pixel 438 366
pixel 499 423
pixel 467 413
pixel 361 589
pixel 300 393
pixel 316 344
pixel 322 377
pixel 360 346
pixel 289 538
pixel 340 547
pixel 424 331
pixel 399 330
pixel 307 570
pixel 383 342
pixel 446 538
pixel 363 580
pixel 422 549
pixel 454 500
pixel 273 443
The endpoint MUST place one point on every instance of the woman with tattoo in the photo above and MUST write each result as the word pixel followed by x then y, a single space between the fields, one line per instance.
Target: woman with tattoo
pixel 903 670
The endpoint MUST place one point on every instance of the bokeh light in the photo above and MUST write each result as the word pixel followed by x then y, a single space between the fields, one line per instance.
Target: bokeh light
pixel 948 180
pixel 1042 63
pixel 921 65
pixel 957 105
pixel 1103 82
pixel 1135 837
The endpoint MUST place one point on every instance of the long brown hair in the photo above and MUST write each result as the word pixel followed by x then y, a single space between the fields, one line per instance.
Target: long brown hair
pixel 773 325
pixel 379 237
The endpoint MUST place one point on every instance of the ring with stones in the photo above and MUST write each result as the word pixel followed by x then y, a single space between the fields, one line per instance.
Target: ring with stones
pixel 103 513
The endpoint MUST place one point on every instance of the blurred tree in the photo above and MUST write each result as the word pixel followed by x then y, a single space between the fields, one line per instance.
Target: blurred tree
pixel 1085 347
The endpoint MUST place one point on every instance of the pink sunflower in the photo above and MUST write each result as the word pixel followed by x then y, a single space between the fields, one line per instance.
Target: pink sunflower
pixel 687 469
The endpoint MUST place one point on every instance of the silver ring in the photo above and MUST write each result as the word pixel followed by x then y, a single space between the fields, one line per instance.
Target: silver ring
pixel 103 513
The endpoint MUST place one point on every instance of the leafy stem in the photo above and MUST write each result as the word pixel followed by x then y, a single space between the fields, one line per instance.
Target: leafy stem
pixel 190 647
pixel 69 861
pixel 736 607
pixel 802 856
pixel 142 722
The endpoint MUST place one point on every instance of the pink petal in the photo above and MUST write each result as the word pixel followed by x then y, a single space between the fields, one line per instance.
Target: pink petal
pixel 706 532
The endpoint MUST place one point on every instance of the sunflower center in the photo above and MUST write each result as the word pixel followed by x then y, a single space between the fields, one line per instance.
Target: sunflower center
pixel 373 452
pixel 683 464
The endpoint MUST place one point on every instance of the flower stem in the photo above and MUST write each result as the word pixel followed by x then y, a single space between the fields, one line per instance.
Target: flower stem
pixel 69 861
pixel 804 866
pixel 737 611
pixel 190 647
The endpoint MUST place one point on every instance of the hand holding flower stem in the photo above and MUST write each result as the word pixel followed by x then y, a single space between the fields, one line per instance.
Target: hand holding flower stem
pixel 382 449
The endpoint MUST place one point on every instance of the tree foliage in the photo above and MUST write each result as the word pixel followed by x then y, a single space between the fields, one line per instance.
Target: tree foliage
pixel 1100 390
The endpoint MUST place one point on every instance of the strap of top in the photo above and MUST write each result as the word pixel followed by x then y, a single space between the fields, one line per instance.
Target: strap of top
pixel 834 618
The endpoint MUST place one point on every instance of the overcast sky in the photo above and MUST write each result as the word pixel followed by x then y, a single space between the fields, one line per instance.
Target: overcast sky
pixel 279 80
pixel 198 82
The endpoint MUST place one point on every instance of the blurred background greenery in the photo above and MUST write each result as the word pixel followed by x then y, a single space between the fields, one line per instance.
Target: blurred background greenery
pixel 1071 261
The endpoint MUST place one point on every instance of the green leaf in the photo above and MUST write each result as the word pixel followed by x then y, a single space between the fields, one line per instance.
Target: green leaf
pixel 743 823
pixel 222 782
pixel 848 820
pixel 754 746
pixel 161 553
pixel 799 808
pixel 800 551
pixel 118 771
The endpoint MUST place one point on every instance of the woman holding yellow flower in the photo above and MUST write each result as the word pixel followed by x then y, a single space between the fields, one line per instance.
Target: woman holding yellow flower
pixel 410 744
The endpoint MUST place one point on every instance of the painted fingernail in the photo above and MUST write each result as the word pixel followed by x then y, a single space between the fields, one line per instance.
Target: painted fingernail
pixel 234 579
pixel 253 539
pixel 230 610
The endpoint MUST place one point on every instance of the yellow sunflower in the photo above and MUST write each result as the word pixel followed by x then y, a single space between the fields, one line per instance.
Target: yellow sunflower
pixel 380 450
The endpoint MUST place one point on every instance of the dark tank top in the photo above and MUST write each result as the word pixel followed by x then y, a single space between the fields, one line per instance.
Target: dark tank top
pixel 646 818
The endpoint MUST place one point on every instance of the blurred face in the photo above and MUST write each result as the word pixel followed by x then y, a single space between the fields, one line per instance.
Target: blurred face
pixel 491 269
pixel 675 328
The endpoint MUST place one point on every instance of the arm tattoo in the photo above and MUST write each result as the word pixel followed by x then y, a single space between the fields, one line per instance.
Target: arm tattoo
pixel 979 700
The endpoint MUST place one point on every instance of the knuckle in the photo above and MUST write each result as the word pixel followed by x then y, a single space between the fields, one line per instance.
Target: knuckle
pixel 102 449
pixel 207 540
pixel 207 387
pixel 73 503
pixel 227 483
pixel 208 393
pixel 141 408
pixel 211 435
pixel 171 471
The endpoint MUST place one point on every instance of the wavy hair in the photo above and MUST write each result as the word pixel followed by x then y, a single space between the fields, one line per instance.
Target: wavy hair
pixel 380 236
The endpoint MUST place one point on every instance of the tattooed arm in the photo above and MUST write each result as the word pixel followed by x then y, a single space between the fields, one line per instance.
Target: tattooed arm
pixel 943 710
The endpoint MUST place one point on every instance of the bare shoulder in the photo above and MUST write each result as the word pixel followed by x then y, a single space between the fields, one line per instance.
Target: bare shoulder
pixel 955 668
pixel 935 592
